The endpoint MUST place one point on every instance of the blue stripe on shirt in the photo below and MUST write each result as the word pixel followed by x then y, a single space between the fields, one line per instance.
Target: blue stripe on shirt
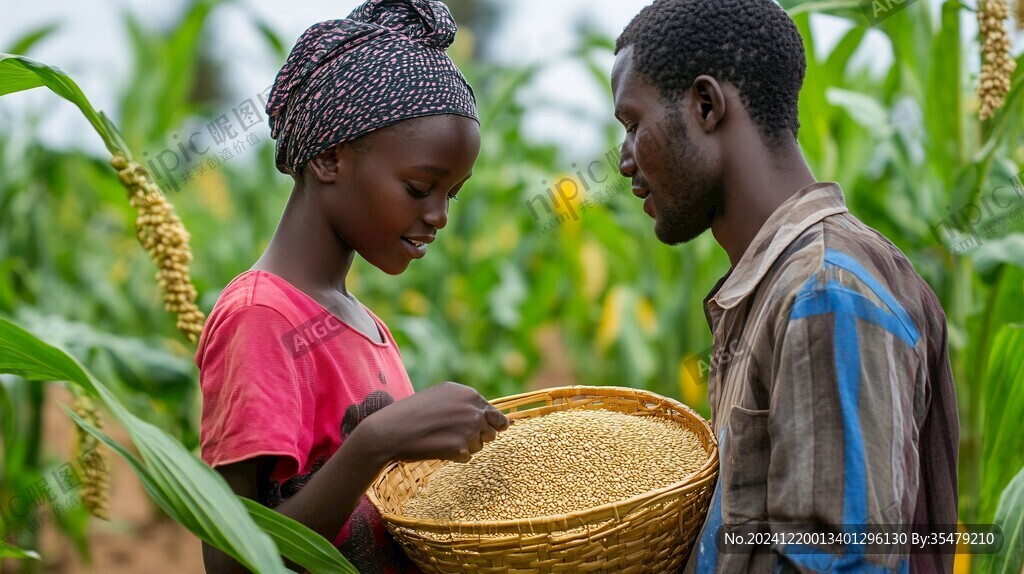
pixel 707 542
pixel 814 559
pixel 848 306
pixel 819 302
pixel 850 264
pixel 844 304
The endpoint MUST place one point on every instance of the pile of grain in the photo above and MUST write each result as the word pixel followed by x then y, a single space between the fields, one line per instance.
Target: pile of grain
pixel 558 463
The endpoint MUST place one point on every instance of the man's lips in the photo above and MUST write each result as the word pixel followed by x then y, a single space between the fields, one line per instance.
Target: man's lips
pixel 649 205
pixel 645 194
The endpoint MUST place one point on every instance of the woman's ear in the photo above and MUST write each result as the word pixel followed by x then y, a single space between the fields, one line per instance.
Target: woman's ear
pixel 324 166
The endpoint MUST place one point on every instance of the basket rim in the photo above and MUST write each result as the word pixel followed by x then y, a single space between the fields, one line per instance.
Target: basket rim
pixel 696 479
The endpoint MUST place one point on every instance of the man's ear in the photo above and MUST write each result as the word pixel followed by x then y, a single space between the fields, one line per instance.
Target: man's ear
pixel 324 165
pixel 708 102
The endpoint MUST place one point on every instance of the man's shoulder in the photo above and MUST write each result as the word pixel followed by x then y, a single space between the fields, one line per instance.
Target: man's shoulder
pixel 841 262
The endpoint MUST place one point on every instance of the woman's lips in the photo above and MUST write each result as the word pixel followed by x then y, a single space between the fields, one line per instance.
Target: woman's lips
pixel 415 251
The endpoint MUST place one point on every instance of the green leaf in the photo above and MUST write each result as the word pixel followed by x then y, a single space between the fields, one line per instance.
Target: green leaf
pixel 864 110
pixel 840 56
pixel 944 106
pixel 136 465
pixel 272 39
pixel 795 7
pixel 508 296
pixel 1010 518
pixel 296 541
pixel 1002 410
pixel 18 73
pixel 192 492
pixel 17 553
pixel 1009 249
pixel 26 356
pixel 26 42
pixel 141 364
pixel 6 417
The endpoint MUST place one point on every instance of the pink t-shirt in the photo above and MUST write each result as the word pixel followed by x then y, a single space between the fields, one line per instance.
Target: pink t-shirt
pixel 283 376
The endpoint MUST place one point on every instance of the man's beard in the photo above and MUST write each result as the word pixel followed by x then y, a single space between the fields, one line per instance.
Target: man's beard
pixel 686 209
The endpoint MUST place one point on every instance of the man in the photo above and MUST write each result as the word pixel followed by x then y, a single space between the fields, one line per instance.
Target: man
pixel 837 407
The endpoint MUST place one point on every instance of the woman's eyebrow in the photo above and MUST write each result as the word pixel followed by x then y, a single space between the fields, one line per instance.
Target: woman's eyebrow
pixel 433 170
pixel 439 171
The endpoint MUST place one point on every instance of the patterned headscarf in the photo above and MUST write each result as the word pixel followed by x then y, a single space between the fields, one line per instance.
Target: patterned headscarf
pixel 345 78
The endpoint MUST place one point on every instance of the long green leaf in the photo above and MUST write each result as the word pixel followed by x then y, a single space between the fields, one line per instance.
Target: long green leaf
pixel 24 355
pixel 33 37
pixel 293 539
pixel 18 73
pixel 1009 249
pixel 7 422
pixel 273 41
pixel 201 499
pixel 1002 411
pixel 136 465
pixel 183 486
pixel 17 553
pixel 1010 518
pixel 296 541
pixel 820 6
pixel 840 56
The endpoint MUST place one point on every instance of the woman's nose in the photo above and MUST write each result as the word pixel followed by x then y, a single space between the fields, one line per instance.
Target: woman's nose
pixel 437 214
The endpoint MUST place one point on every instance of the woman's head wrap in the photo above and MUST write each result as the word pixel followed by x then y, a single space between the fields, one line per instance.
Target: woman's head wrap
pixel 345 78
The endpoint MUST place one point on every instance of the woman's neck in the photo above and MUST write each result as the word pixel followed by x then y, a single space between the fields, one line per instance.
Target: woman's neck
pixel 304 250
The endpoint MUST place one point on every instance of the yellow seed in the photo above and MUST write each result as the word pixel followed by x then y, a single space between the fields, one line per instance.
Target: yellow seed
pixel 998 64
pixel 95 469
pixel 163 235
pixel 562 462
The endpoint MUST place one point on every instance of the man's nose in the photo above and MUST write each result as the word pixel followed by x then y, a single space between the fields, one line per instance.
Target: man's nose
pixel 627 163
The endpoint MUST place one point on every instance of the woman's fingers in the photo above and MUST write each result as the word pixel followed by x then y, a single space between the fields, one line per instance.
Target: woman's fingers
pixel 495 418
pixel 488 434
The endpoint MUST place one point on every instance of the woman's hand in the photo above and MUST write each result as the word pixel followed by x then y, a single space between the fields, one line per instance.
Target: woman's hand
pixel 448 421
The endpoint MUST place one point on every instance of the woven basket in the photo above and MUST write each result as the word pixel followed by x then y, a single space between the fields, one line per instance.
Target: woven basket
pixel 650 533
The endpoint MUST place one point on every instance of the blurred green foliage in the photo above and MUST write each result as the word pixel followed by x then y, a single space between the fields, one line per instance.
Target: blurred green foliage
pixel 502 302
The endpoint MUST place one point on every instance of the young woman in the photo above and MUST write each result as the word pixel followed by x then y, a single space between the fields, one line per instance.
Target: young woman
pixel 305 398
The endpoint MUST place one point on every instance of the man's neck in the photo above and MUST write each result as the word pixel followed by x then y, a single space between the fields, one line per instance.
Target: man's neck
pixel 756 183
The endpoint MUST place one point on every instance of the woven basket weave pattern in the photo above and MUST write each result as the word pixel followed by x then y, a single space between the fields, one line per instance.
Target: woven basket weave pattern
pixel 650 533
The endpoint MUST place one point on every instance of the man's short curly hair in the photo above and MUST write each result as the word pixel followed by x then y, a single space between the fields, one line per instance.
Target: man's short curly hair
pixel 752 44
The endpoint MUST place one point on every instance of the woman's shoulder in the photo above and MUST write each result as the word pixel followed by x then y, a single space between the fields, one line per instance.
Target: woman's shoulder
pixel 258 301
pixel 257 288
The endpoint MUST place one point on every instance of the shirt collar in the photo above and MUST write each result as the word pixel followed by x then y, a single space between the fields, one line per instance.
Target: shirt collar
pixel 805 208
